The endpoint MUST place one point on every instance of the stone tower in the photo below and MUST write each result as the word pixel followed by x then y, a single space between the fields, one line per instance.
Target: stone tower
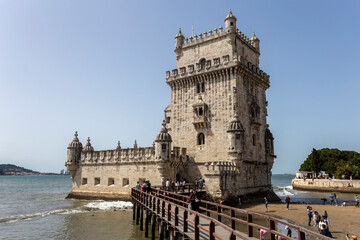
pixel 218 110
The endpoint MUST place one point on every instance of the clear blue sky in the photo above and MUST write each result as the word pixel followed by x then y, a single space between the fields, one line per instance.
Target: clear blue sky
pixel 98 67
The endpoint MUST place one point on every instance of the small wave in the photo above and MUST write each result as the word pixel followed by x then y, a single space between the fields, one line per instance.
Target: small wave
pixel 41 214
pixel 282 187
pixel 103 205
pixel 288 193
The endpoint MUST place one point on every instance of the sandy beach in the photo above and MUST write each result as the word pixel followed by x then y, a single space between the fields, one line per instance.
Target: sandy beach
pixel 343 220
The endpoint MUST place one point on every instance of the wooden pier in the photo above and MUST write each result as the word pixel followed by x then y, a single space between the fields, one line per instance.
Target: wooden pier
pixel 163 214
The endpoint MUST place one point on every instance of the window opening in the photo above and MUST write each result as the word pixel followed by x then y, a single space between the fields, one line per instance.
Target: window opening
pixel 97 181
pixel 84 181
pixel 201 139
pixel 111 181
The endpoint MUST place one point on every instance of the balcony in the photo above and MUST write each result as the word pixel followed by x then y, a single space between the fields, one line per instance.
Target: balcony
pixel 200 122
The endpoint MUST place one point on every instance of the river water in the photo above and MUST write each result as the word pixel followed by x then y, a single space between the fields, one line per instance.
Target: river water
pixel 34 207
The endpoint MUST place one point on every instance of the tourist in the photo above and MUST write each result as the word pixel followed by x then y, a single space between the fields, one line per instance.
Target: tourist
pixel 143 187
pixel 138 186
pixel 266 204
pixel 323 227
pixel 262 233
pixel 288 231
pixel 335 199
pixel 183 185
pixel 239 202
pixel 325 216
pixel 331 199
pixel 310 214
pixel 194 201
pixel 317 219
pixel 172 185
pixel 357 200
pixel 167 184
pixel 343 204
pixel 201 183
pixel 177 185
pixel 287 201
pixel 148 187
pixel 196 184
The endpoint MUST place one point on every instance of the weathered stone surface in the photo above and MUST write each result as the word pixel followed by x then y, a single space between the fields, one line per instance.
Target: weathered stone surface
pixel 215 126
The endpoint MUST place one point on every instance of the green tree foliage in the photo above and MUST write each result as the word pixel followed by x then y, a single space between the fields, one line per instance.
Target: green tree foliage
pixel 334 162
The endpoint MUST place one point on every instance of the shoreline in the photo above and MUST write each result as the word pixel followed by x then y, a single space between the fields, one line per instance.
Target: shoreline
pixel 327 185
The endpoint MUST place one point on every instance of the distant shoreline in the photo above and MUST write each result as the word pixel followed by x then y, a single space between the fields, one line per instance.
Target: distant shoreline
pixel 36 174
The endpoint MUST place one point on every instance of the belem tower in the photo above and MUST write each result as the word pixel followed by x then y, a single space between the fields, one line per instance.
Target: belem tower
pixel 215 126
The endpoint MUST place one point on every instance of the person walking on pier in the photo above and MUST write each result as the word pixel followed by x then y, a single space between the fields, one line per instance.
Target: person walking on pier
pixel 167 184
pixel 194 201
pixel 357 200
pixel 287 201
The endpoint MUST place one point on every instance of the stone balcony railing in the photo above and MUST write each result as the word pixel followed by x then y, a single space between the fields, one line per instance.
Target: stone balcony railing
pixel 115 156
pixel 200 121
pixel 221 168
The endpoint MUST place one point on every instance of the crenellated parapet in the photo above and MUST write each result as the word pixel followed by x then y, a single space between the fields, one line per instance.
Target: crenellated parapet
pixel 215 34
pixel 216 67
pixel 118 156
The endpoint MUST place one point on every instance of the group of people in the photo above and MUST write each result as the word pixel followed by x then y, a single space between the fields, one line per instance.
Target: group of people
pixel 334 200
pixel 145 187
pixel 175 186
pixel 199 183
pixel 321 222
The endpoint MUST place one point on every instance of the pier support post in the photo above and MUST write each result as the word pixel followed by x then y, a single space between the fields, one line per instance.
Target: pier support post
pixel 134 209
pixel 147 223
pixel 141 218
pixel 153 226
pixel 137 214
pixel 162 231
pixel 167 231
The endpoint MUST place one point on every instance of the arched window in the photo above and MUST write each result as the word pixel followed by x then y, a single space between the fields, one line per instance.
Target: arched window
pixel 254 139
pixel 201 112
pixel 201 139
pixel 203 87
pixel 198 88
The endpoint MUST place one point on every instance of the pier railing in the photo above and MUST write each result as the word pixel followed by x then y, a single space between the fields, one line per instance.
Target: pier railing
pixel 218 221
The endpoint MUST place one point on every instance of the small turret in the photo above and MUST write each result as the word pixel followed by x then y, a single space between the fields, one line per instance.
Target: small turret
pixel 135 145
pixel 269 142
pixel 118 147
pixel 179 41
pixel 236 135
pixel 230 22
pixel 163 144
pixel 88 147
pixel 73 155
pixel 255 42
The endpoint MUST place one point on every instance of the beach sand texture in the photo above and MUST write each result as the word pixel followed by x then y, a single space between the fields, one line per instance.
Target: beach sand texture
pixel 343 220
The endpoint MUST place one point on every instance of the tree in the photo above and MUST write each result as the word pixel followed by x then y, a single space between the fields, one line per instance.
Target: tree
pixel 334 162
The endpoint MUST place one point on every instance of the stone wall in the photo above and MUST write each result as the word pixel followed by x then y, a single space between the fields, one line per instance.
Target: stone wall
pixel 326 185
